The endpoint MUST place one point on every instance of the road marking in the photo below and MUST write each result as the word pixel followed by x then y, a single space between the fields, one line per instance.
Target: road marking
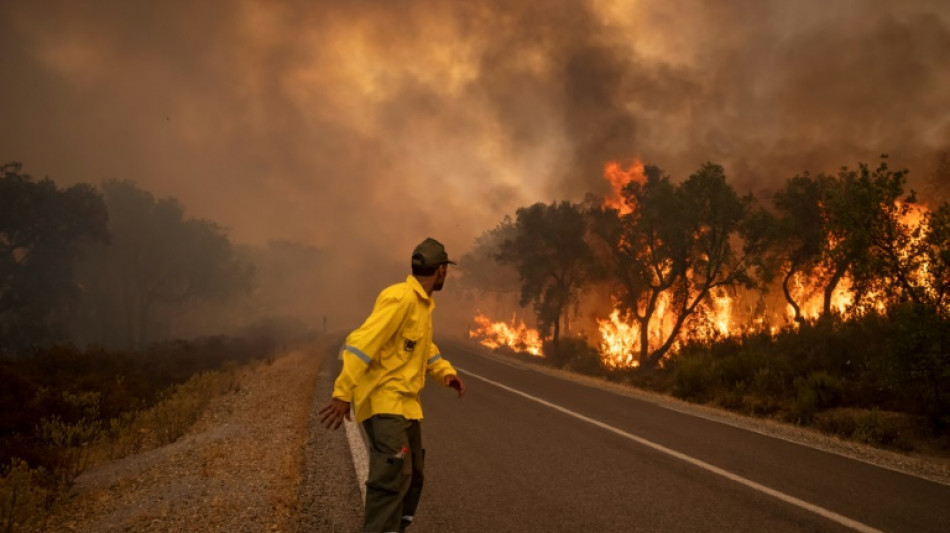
pixel 821 511
pixel 492 357
pixel 358 452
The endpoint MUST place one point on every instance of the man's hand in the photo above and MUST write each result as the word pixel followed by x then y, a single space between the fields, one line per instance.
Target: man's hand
pixel 333 414
pixel 453 381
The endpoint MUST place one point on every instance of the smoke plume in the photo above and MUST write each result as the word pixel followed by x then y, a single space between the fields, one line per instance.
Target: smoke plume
pixel 363 127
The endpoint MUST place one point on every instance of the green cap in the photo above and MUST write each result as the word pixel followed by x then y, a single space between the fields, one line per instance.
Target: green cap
pixel 430 252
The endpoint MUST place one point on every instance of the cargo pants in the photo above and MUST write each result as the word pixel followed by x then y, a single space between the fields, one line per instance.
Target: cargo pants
pixel 394 484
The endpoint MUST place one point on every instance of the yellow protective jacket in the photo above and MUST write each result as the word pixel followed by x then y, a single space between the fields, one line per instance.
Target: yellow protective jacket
pixel 385 361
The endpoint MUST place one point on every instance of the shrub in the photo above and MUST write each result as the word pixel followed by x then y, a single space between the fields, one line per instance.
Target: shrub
pixel 22 495
pixel 693 377
pixel 575 354
pixel 875 427
pixel 582 357
pixel 818 391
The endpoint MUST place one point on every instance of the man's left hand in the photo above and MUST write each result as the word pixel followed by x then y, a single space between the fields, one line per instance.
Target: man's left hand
pixel 453 381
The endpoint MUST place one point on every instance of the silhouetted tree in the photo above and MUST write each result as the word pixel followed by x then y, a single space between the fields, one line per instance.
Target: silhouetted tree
pixel 933 253
pixel 678 241
pixel 798 234
pixel 862 211
pixel 553 260
pixel 855 225
pixel 41 230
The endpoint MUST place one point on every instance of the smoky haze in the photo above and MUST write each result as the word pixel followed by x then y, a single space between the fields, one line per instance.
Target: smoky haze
pixel 360 128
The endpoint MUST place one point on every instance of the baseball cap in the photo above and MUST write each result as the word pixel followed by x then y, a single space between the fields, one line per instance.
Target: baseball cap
pixel 430 252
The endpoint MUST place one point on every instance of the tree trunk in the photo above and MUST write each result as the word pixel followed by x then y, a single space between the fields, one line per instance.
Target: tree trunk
pixel 830 289
pixel 788 296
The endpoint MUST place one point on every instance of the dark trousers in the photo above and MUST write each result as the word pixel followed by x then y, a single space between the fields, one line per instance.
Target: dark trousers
pixel 396 461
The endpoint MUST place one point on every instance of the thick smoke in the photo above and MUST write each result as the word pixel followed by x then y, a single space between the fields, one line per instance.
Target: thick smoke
pixel 363 127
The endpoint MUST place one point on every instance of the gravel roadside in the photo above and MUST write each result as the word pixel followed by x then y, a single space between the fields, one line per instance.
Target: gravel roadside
pixel 329 496
pixel 238 469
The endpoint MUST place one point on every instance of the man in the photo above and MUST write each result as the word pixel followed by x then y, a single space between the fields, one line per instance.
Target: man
pixel 384 366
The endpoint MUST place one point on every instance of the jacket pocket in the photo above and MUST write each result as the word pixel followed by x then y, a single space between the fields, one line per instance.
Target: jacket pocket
pixel 411 341
pixel 387 472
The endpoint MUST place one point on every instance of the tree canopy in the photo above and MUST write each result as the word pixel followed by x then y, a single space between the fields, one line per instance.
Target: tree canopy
pixel 553 260
pixel 158 262
pixel 676 246
pixel 42 228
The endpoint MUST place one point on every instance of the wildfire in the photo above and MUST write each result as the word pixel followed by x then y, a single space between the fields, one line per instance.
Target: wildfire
pixel 515 335
pixel 618 178
pixel 621 337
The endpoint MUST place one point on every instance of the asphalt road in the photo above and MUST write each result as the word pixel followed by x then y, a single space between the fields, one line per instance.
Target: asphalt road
pixel 529 452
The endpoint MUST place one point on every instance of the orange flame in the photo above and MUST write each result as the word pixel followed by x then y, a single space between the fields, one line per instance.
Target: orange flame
pixel 516 336
pixel 618 178
pixel 618 341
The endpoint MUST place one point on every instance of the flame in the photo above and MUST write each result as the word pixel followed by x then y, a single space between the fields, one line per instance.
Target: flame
pixel 618 178
pixel 808 293
pixel 618 341
pixel 516 336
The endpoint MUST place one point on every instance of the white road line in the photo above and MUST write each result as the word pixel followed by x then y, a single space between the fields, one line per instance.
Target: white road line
pixel 821 511
pixel 494 358
pixel 358 452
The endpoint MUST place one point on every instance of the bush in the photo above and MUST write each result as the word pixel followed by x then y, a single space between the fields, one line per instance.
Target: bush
pixel 694 377
pixel 875 427
pixel 22 494
pixel 819 390
pixel 574 354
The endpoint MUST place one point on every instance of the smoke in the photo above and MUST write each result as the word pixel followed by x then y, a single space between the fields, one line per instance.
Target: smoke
pixel 363 127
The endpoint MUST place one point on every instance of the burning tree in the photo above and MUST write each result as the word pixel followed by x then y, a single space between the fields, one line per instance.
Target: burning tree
pixel 553 260
pixel 797 234
pixel 933 249
pixel 673 251
pixel 848 237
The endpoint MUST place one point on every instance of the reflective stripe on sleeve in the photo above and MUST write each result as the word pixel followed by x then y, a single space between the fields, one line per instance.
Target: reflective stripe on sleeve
pixel 434 358
pixel 358 353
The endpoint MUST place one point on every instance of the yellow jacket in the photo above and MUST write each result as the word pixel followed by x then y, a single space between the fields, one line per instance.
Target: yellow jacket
pixel 385 361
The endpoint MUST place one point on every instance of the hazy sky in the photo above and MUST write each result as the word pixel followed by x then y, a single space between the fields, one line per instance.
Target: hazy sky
pixel 364 126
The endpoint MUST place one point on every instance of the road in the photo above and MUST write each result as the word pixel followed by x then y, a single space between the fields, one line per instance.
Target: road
pixel 525 451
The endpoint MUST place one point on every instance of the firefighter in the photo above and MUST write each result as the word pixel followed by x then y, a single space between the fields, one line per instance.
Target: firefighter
pixel 385 363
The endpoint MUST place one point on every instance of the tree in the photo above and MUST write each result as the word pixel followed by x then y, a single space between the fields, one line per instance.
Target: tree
pixel 41 230
pixel 159 262
pixel 853 226
pixel 862 210
pixel 482 270
pixel 553 260
pixel 677 243
pixel 798 235
pixel 933 251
